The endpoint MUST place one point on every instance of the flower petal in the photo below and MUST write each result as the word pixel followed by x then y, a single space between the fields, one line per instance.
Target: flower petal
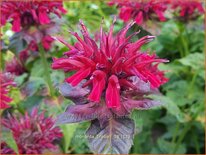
pixel 99 81
pixel 78 76
pixel 43 16
pixel 139 18
pixel 112 92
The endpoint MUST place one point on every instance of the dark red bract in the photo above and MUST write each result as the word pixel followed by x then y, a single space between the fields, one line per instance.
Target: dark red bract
pixel 24 14
pixel 109 67
pixel 6 80
pixel 33 133
pixel 15 67
pixel 141 11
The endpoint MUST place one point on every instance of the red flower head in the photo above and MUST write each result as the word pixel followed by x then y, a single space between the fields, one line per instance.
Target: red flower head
pixel 28 13
pixel 6 81
pixel 33 133
pixel 141 11
pixel 14 67
pixel 109 69
pixel 188 9
pixel 46 42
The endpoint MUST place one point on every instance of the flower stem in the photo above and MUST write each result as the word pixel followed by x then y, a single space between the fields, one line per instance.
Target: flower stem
pixel 191 85
pixel 175 133
pixel 197 147
pixel 46 68
pixel 182 136
pixel 185 45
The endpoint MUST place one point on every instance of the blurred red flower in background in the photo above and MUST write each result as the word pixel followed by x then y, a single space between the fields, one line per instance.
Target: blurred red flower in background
pixel 109 69
pixel 32 133
pixel 34 21
pixel 188 9
pixel 6 80
pixel 33 47
pixel 141 11
pixel 27 13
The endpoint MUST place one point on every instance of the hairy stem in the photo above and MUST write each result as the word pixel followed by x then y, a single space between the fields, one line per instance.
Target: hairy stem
pixel 46 68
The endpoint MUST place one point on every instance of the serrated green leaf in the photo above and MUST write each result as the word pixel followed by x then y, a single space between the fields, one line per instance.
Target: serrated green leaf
pixel 8 138
pixel 37 69
pixel 30 102
pixel 68 132
pixel 171 106
pixel 166 147
pixel 16 96
pixel 195 61
pixel 20 79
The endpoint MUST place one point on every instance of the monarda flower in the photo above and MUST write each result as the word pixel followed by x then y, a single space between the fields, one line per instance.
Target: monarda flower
pixel 5 83
pixel 108 68
pixel 111 79
pixel 33 21
pixel 29 13
pixel 187 9
pixel 33 133
pixel 141 11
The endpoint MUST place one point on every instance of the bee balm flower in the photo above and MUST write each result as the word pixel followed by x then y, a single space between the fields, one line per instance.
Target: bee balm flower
pixel 141 11
pixel 188 9
pixel 111 79
pixel 108 69
pixel 5 83
pixel 28 13
pixel 32 133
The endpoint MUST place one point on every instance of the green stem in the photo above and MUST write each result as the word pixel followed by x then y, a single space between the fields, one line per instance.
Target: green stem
pixel 197 147
pixel 190 88
pixel 46 68
pixel 175 132
pixel 185 130
pixel 185 45
pixel 185 48
pixel 181 51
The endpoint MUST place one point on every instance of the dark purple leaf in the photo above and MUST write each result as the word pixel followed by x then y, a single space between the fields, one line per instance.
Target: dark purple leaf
pixel 76 94
pixel 115 137
pixel 141 85
pixel 120 111
pixel 77 113
pixel 143 104
pixel 85 112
